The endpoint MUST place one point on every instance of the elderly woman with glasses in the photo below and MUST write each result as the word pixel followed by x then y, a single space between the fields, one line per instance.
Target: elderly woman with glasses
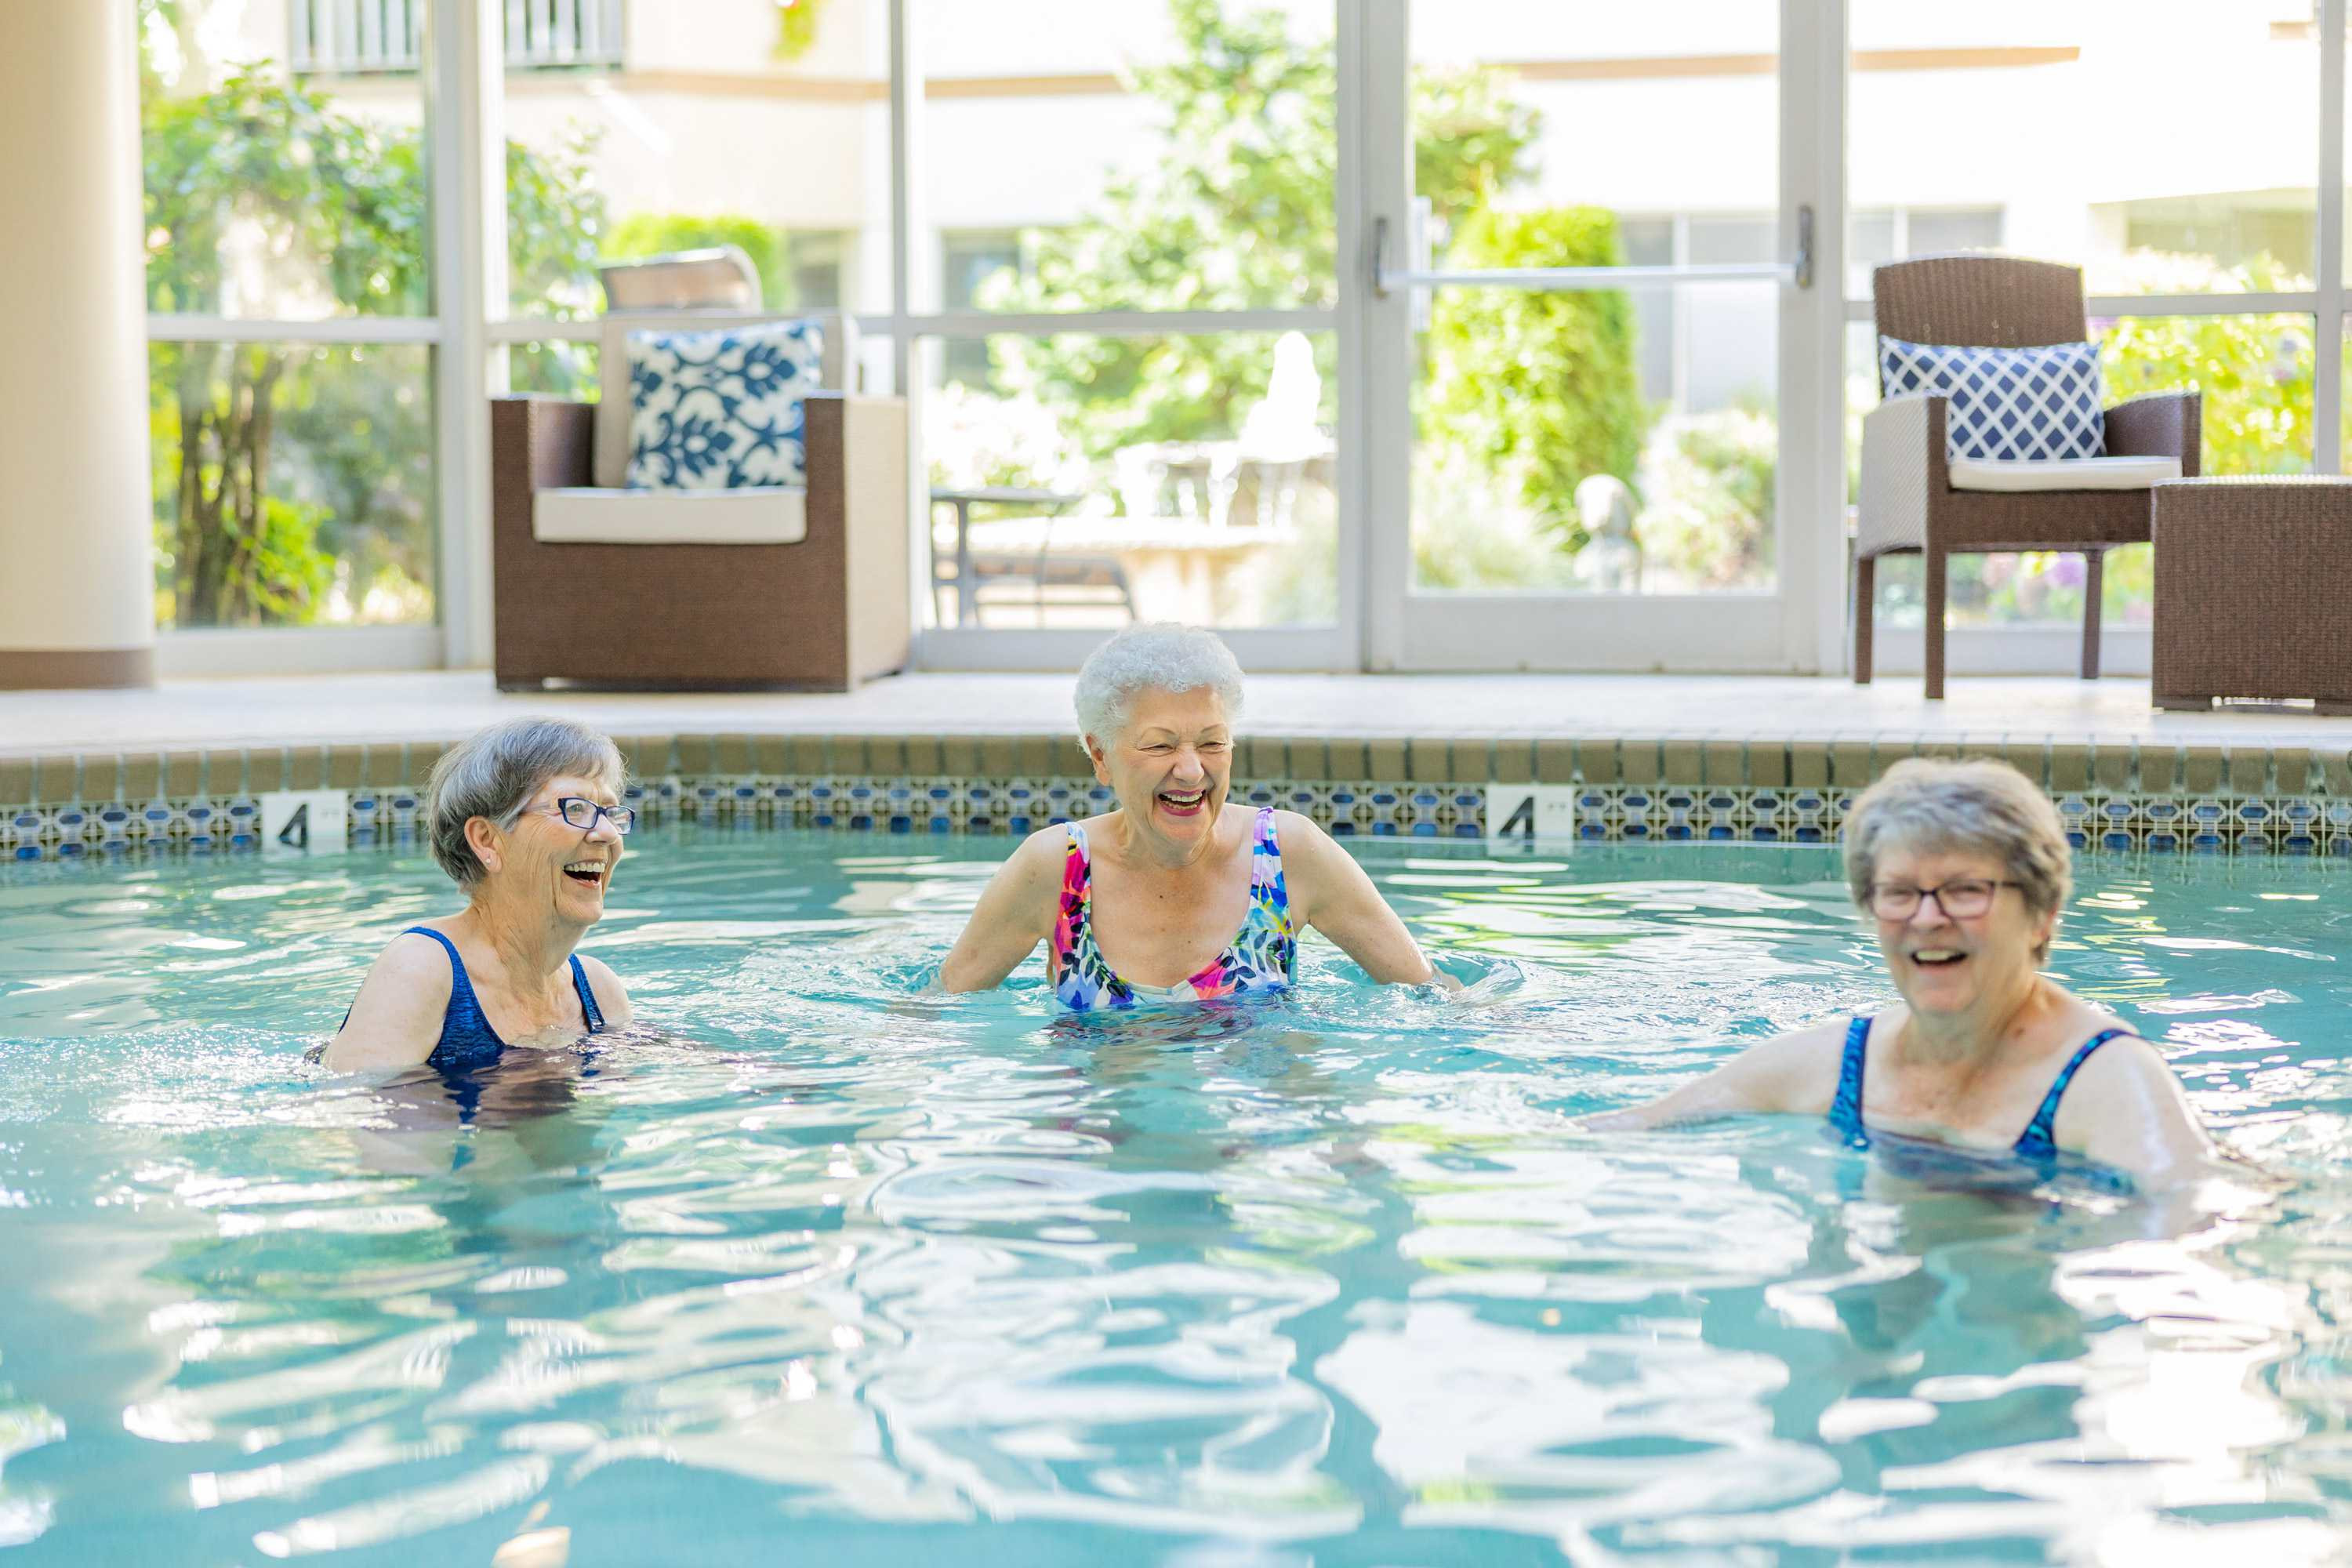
pixel 1963 867
pixel 1174 893
pixel 526 816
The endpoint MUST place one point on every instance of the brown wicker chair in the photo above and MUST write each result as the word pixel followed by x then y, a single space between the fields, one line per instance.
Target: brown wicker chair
pixel 826 611
pixel 1909 504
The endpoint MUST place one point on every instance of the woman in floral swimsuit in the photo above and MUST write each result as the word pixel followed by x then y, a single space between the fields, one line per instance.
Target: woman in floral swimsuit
pixel 1173 894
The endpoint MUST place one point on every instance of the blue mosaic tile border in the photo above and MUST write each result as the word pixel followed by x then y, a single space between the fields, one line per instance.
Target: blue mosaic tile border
pixel 2313 825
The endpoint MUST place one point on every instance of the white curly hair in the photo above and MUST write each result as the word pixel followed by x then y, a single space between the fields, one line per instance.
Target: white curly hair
pixel 1159 655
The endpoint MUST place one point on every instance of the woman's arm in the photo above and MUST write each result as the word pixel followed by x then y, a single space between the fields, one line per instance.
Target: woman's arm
pixel 397 1016
pixel 1014 913
pixel 1330 891
pixel 2126 1108
pixel 612 997
pixel 1793 1072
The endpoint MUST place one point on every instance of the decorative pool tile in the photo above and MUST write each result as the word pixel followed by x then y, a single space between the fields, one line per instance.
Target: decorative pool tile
pixel 2143 797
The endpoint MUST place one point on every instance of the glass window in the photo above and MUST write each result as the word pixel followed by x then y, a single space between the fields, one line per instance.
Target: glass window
pixel 1869 244
pixel 972 264
pixel 1616 443
pixel 274 194
pixel 1650 242
pixel 1150 156
pixel 745 123
pixel 2165 146
pixel 1186 479
pixel 1936 233
pixel 293 484
pixel 821 260
pixel 555 368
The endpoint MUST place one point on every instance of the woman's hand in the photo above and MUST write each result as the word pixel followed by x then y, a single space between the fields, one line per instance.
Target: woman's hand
pixel 1016 911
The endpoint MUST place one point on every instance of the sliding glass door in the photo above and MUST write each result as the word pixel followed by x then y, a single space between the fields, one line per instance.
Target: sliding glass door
pixel 1598 370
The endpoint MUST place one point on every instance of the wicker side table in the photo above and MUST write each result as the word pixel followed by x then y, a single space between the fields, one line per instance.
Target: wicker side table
pixel 2251 591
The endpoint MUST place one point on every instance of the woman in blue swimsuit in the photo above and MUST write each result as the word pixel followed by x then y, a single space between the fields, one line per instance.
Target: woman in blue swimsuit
pixel 1964 867
pixel 527 817
pixel 1174 894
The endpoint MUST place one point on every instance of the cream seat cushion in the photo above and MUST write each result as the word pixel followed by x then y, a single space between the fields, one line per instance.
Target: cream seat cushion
pixel 753 515
pixel 2063 474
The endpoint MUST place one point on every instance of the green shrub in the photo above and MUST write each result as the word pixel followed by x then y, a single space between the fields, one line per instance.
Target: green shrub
pixel 1537 387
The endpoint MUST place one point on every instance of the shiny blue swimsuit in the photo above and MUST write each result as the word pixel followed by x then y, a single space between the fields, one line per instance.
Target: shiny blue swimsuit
pixel 2037 1145
pixel 466 1040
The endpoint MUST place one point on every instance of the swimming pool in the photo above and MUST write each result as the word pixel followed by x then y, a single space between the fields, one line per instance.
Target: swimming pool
pixel 831 1272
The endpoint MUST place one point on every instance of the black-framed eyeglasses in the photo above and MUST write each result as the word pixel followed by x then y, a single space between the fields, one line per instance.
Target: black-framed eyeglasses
pixel 582 813
pixel 1962 898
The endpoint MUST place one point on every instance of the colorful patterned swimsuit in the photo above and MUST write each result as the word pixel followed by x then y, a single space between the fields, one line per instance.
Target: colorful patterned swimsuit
pixel 1261 957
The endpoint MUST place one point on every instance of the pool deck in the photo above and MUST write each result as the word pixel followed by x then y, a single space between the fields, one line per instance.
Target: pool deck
pixel 442 705
pixel 1756 758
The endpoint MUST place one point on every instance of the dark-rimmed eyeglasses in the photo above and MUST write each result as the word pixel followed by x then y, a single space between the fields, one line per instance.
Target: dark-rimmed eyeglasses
pixel 1962 898
pixel 581 813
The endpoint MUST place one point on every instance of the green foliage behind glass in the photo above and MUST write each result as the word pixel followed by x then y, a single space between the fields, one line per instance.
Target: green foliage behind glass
pixel 654 234
pixel 1237 214
pixel 282 469
pixel 1537 386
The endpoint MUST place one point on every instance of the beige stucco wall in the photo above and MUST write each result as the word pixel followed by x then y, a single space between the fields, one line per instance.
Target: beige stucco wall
pixel 75 573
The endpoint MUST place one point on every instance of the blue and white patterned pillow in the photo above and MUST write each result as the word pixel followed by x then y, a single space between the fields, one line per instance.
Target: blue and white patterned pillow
pixel 720 409
pixel 2007 404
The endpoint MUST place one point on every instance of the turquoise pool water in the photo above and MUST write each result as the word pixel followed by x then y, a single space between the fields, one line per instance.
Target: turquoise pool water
pixel 825 1270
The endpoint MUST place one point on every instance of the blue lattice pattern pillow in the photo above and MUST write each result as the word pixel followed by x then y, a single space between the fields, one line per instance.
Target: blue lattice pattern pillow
pixel 720 409
pixel 2007 404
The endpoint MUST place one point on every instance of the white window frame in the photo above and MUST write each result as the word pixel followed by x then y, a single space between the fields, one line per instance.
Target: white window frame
pixel 467 331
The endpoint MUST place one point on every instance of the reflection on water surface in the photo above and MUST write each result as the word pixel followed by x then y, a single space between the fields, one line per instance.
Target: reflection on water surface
pixel 1331 1279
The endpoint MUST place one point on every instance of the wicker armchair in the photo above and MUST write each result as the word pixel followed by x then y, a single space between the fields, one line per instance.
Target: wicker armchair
pixel 1908 500
pixel 774 586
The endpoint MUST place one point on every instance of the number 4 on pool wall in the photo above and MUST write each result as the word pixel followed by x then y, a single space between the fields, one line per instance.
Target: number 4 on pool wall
pixel 304 819
pixel 1530 812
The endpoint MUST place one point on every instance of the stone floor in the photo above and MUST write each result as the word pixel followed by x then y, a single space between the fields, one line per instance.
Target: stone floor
pixel 299 709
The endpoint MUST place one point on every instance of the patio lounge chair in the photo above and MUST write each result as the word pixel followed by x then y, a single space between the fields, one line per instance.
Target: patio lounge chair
pixel 1915 499
pixel 599 584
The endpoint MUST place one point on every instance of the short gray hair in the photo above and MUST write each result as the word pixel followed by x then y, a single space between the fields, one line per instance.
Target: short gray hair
pixel 1159 656
pixel 1977 807
pixel 495 773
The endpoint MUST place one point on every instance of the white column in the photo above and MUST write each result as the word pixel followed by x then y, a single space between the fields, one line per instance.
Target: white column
pixel 77 577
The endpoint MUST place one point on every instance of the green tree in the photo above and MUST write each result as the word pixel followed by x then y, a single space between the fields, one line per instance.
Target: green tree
pixel 1537 386
pixel 1238 214
pixel 653 234
pixel 277 462
pixel 2256 372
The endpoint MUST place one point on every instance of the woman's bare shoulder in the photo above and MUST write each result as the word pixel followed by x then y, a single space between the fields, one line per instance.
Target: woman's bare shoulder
pixel 1046 846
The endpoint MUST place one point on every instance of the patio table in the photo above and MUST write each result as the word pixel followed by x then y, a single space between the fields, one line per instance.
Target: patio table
pixel 1178 568
pixel 964 500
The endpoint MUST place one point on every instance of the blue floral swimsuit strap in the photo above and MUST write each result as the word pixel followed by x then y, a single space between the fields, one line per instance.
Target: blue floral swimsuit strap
pixel 1846 1109
pixel 2040 1139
